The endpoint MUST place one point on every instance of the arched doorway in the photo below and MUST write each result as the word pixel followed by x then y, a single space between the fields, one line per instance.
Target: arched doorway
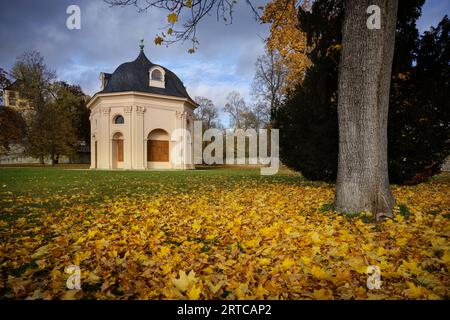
pixel 158 149
pixel 117 151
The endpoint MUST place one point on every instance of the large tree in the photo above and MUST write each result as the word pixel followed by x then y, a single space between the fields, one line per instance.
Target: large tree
pixel 34 79
pixel 58 118
pixel 72 101
pixel 51 134
pixel 363 99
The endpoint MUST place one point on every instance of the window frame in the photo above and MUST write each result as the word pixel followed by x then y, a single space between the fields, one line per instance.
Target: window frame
pixel 118 116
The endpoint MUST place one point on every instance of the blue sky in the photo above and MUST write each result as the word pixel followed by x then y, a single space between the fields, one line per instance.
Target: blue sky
pixel 110 36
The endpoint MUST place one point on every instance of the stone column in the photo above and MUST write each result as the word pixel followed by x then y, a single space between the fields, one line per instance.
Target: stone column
pixel 92 123
pixel 103 143
pixel 177 142
pixel 189 141
pixel 138 138
pixel 128 137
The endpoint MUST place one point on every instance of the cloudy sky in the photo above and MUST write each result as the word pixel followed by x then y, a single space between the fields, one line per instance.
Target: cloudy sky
pixel 110 36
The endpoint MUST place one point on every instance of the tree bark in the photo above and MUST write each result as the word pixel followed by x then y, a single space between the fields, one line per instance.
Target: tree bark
pixel 363 100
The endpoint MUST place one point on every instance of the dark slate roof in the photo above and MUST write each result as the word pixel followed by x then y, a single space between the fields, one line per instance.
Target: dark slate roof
pixel 134 76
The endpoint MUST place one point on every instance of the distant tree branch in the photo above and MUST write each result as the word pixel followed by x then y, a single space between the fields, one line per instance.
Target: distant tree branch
pixel 192 12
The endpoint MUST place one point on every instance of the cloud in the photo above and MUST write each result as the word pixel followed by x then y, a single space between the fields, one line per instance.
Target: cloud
pixel 110 36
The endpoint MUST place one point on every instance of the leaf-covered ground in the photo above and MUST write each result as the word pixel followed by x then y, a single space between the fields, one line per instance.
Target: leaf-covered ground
pixel 213 234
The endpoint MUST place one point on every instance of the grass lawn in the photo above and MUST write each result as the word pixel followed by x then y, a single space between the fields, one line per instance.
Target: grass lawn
pixel 213 233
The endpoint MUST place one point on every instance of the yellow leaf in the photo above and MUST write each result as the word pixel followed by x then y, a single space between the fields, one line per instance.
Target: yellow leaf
pixel 287 263
pixel 414 291
pixel 166 268
pixel 70 295
pixel 164 251
pixel 306 260
pixel 196 225
pixel 92 278
pixel 260 292
pixel 315 237
pixel 322 294
pixel 172 18
pixel 216 287
pixel 319 273
pixel 446 257
pixel 42 251
pixel 194 293
pixel 264 261
pixel 183 282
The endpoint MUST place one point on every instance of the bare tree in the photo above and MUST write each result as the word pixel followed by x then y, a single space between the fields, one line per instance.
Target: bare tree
pixel 269 84
pixel 207 113
pixel 235 108
pixel 363 99
pixel 241 116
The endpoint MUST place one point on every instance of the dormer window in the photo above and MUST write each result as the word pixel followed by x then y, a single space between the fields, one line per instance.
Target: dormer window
pixel 104 78
pixel 156 76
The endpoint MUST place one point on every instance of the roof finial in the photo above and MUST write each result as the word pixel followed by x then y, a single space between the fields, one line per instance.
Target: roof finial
pixel 142 45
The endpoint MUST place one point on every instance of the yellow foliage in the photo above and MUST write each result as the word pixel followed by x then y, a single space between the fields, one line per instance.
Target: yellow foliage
pixel 286 37
pixel 172 18
pixel 252 239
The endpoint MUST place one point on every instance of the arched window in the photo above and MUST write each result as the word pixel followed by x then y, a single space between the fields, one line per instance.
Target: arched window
pixel 119 120
pixel 157 75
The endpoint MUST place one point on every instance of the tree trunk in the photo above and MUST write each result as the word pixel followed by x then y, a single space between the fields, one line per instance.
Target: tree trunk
pixel 363 100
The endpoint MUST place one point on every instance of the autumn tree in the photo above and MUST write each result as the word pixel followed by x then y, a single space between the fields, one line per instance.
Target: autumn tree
pixel 34 79
pixel 12 128
pixel 286 38
pixel 4 82
pixel 51 133
pixel 58 119
pixel 72 102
